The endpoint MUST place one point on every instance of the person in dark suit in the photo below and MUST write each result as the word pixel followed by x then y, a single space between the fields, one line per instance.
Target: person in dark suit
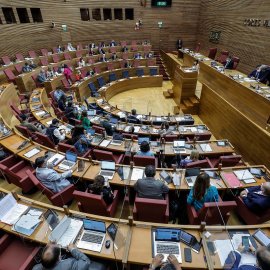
pixel 254 74
pixel 257 199
pixel 149 55
pixel 127 64
pixel 70 113
pixel 124 49
pixel 114 57
pixel 61 103
pixel 100 51
pixel 179 44
pixel 41 76
pixel 264 74
pixel 133 117
pixel 229 63
pixel 137 56
pixel 149 187
pixel 112 43
pixel 103 58
pixel 107 125
pixel 26 68
pixel 263 259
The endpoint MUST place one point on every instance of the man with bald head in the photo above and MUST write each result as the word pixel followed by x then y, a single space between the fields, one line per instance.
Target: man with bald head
pixel 257 199
pixel 51 259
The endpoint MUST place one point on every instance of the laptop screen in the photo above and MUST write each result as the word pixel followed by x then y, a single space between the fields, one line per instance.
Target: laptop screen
pixel 91 131
pixel 94 225
pixel 71 156
pixel 163 234
pixel 140 140
pixel 91 112
pixel 107 165
pixel 179 143
pixel 82 107
pixel 186 237
pixel 192 171
pixel 113 120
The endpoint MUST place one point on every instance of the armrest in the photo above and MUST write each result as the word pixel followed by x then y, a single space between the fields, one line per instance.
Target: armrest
pixel 112 207
pixel 4 242
pixel 9 161
pixel 209 162
pixel 63 196
pixel 18 166
pixel 30 261
pixel 166 219
pixel 88 153
pixel 119 159
pixel 191 212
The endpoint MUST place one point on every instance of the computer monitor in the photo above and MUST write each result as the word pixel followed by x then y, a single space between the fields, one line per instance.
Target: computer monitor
pixel 142 139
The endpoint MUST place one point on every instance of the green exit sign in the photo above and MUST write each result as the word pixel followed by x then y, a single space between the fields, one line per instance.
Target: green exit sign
pixel 162 3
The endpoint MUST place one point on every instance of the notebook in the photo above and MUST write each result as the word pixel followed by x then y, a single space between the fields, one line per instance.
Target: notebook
pixel 231 179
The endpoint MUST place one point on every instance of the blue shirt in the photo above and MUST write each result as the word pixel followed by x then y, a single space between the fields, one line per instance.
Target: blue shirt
pixel 58 94
pixel 210 196
pixel 148 153
pixel 82 145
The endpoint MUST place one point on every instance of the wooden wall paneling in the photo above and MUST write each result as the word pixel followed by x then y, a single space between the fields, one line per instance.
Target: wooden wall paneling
pixel 225 121
pixel 249 43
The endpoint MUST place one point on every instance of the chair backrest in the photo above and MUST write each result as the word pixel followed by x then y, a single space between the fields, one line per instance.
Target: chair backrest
pixel 98 129
pixel 72 77
pixel 92 87
pixel 55 68
pixel 153 71
pixel 113 50
pixel 230 161
pixel 45 140
pixel 69 65
pixel 55 58
pixel 137 62
pixel 125 56
pixel 145 211
pixel 14 107
pixel 9 73
pixel 144 160
pixel 54 49
pixel 91 60
pixel 212 53
pixel 52 96
pixel 65 82
pixel 32 54
pixel 100 81
pixel 43 61
pixel 223 56
pixel 6 60
pixel 139 72
pixel 25 131
pixel 146 48
pixel 84 72
pixel 135 48
pixel 67 56
pixel 78 54
pixel 77 63
pixel 235 64
pixel 103 155
pixel 44 52
pixel 200 163
pixel 112 77
pixel 129 136
pixel 123 43
pixel 125 74
pixel 236 59
pixel 63 147
pixel 198 47
pixel 122 64
pixel 210 212
pixel 169 138
pixel 97 69
pixel 133 42
pixel 19 56
pixel 79 47
pixel 203 136
pixel 150 62
pixel 11 176
pixel 90 203
pixel 18 68
pixel 34 77
pixel 110 66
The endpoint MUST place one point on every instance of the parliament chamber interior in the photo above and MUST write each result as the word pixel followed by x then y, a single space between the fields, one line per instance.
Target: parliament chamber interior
pixel 135 135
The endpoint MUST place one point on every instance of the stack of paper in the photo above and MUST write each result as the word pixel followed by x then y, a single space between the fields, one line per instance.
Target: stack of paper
pixel 206 147
pixel 137 174
pixel 137 129
pixel 105 143
pixel 179 119
pixel 26 224
pixel 245 175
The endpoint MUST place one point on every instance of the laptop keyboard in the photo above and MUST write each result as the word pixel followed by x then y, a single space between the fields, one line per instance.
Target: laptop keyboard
pixel 106 173
pixel 117 141
pixel 167 249
pixel 68 163
pixel 92 238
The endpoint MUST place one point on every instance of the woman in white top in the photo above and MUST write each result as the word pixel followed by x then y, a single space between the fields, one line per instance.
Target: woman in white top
pixel 69 47
pixel 81 63
pixel 50 73
pixel 196 65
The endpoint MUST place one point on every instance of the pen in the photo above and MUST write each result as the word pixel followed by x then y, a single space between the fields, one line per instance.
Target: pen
pixel 219 185
pixel 46 231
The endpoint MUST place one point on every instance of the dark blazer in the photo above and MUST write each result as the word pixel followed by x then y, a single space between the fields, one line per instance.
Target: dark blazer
pixel 150 188
pixel 61 105
pixel 132 117
pixel 112 44
pixel 108 127
pixel 124 49
pixel 70 115
pixel 100 51
pixel 233 265
pixel 255 202
pixel 114 57
pixel 265 75
pixel 229 65
pixel 106 194
pixel 179 44
pixel 255 73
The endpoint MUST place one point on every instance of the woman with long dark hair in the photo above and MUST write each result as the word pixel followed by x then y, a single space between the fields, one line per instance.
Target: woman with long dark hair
pixel 202 192
pixel 84 119
pixel 79 140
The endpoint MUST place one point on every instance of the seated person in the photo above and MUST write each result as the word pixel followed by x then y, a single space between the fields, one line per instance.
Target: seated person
pixel 61 68
pixel 264 74
pixel 234 258
pixel 149 187
pixel 50 178
pixel 137 56
pixel 91 51
pixel 31 127
pixel 54 133
pixel 103 58
pixel 50 73
pixel 41 76
pixel 102 44
pixel 81 63
pixel 196 65
pixel 79 140
pixel 133 117
pixel 127 64
pixel 98 188
pixel 26 68
pixel 100 51
pixel 85 120
pixel 90 72
pixel 70 113
pixel 257 199
pixel 112 43
pixel 124 49
pixel 145 150
pixel 58 93
pixel 202 192
pixel 229 63
pixel 144 43
pixel 32 65
pixel 92 45
pixel 70 48
pixel 171 264
pixel 194 156
pixel 255 74
pixel 79 76
pixel 61 103
pixel 165 129
pixel 107 125
pixel 149 55
pixel 114 56
pixel 59 49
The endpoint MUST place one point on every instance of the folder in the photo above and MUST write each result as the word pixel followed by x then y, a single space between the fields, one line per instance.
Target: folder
pixel 231 180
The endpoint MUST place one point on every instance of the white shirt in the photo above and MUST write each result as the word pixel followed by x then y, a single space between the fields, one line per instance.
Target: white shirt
pixel 58 135
pixel 82 64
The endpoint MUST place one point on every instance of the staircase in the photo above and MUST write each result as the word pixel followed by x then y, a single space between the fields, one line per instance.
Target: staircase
pixel 188 106
pixel 162 70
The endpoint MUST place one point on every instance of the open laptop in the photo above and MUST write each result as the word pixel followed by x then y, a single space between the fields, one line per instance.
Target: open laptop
pixel 191 175
pixel 69 162
pixel 142 139
pixel 93 235
pixel 107 169
pixel 113 121
pixel 117 139
pixel 166 242
pixel 92 133
pixel 179 146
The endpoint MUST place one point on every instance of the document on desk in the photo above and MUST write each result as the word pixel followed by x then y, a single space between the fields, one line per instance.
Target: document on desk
pixel 179 118
pixel 126 171
pixel 40 113
pixel 32 152
pixel 137 129
pixel 10 210
pixel 176 178
pixel 223 248
pixel 137 174
pixel 193 129
pixel 105 143
pixel 206 147
pixel 243 175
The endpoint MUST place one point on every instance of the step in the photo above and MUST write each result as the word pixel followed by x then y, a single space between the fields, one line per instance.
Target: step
pixel 166 79
pixel 170 92
pixel 183 107
pixel 194 100
pixel 187 103
pixel 166 94
pixel 176 110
